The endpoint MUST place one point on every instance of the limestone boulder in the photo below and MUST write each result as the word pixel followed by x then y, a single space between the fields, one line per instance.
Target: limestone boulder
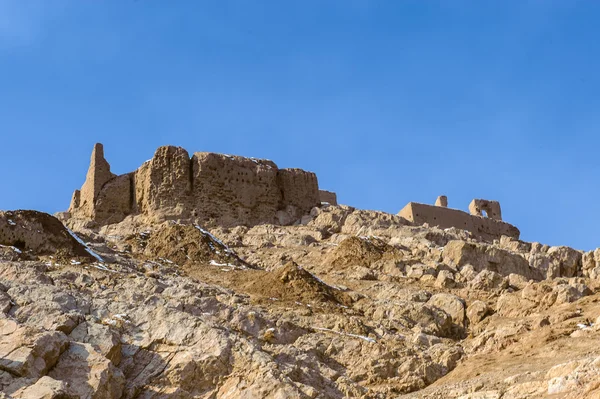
pixel 45 388
pixel 102 338
pixel 477 311
pixel 453 306
pixel 329 219
pixel 445 279
pixel 591 264
pixel 88 374
pixel 487 280
pixel 373 223
pixel 565 262
pixel 27 352
pixel 487 257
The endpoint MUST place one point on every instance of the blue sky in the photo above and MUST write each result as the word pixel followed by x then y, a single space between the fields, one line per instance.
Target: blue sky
pixel 387 101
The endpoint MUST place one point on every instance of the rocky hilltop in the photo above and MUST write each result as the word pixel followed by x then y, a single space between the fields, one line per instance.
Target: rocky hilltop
pixel 215 276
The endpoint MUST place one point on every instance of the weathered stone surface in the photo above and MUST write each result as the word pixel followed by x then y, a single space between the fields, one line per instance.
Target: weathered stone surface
pixel 210 188
pixel 25 352
pixel 477 311
pixel 340 303
pixel 45 388
pixel 486 257
pixel 88 373
pixel 98 174
pixel 299 189
pixel 488 280
pixel 328 197
pixel 485 228
pixel 452 305
pixel 163 185
pixel 235 190
pixel 113 203
pixel 101 337
pixel 39 234
pixel 477 207
pixel 566 262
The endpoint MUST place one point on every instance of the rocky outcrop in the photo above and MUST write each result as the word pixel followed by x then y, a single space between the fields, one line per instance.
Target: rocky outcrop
pixel 347 304
pixel 486 257
pixel 228 190
pixel 37 233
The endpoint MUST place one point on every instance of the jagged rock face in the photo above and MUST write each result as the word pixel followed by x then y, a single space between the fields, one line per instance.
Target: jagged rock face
pixel 319 310
pixel 227 190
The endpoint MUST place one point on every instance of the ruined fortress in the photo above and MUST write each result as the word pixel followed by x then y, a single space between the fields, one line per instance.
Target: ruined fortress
pixel 226 189
pixel 484 220
pixel 233 190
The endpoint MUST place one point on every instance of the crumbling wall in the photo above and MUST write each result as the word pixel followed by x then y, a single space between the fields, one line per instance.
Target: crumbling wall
pixel 328 197
pixel 163 185
pixel 299 189
pixel 442 200
pixel 114 200
pixel 486 228
pixel 229 190
pixel 492 210
pixel 234 190
pixel 98 174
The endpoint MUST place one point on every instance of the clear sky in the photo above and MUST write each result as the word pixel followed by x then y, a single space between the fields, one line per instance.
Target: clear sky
pixel 387 101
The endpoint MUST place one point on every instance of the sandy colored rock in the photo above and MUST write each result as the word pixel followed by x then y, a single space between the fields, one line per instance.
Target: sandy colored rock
pixel 88 373
pixel 361 251
pixel 45 388
pixel 25 352
pixel 313 301
pixel 477 311
pixel 486 257
pixel 452 305
pixel 184 244
pixel 38 233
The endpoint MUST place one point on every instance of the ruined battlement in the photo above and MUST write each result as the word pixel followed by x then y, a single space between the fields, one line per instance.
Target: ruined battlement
pixel 484 220
pixel 230 190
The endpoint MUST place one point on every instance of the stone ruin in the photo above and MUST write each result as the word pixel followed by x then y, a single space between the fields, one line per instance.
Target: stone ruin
pixel 484 220
pixel 225 189
pixel 328 197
